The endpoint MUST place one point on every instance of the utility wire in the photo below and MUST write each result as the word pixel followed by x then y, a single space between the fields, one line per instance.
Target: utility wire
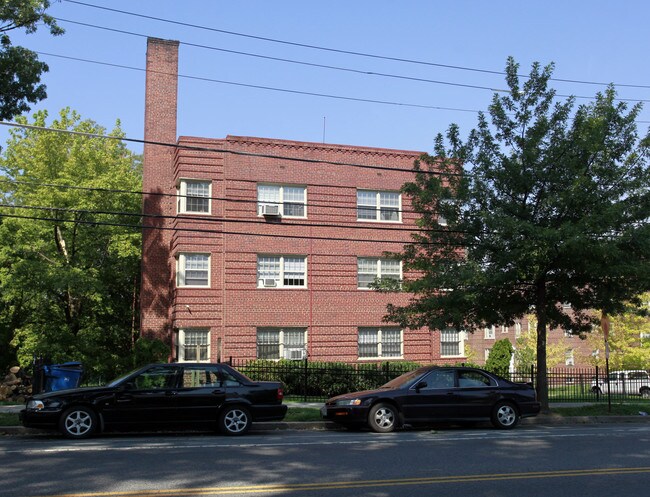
pixel 226 151
pixel 369 73
pixel 216 232
pixel 214 219
pixel 347 52
pixel 269 88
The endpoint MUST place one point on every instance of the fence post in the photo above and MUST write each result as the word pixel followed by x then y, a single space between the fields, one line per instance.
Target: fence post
pixel 597 385
pixel 304 384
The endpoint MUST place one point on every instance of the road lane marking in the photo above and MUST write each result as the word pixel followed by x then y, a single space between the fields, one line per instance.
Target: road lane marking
pixel 245 489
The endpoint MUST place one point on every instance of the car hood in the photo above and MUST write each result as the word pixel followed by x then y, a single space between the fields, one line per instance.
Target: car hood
pixel 361 394
pixel 72 391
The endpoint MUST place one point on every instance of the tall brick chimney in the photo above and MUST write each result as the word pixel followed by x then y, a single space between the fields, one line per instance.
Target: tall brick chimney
pixel 157 183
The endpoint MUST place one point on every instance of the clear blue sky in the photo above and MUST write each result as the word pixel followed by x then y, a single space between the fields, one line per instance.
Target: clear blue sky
pixel 596 40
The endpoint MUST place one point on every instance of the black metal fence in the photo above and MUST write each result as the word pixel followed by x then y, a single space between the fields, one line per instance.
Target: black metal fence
pixel 316 381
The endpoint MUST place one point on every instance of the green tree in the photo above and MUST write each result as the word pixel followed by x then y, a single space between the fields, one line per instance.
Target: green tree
pixel 543 204
pixel 69 262
pixel 526 349
pixel 629 339
pixel 20 69
pixel 500 355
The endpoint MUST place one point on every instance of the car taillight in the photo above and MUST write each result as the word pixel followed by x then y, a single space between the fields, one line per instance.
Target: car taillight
pixel 280 394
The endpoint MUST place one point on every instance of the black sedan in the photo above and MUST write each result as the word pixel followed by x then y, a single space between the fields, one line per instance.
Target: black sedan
pixel 160 396
pixel 432 394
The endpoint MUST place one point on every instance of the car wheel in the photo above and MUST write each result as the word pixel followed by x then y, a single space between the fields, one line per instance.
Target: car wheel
pixel 596 390
pixel 382 418
pixel 645 393
pixel 505 416
pixel 235 420
pixel 78 422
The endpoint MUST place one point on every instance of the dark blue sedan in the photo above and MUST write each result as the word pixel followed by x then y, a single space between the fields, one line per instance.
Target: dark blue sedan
pixel 436 394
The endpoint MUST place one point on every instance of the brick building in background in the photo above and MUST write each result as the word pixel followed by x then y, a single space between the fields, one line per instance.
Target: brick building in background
pixel 264 248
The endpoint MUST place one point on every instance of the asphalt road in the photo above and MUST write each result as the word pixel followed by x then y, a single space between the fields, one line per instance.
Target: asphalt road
pixel 578 460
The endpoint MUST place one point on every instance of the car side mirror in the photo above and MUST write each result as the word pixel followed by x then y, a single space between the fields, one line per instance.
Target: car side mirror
pixel 420 385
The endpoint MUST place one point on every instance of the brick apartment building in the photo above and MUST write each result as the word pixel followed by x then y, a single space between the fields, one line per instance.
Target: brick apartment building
pixel 264 248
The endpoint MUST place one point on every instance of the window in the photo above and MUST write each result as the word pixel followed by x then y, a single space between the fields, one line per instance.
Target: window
pixel 504 329
pixel 378 206
pixel 451 343
pixel 193 270
pixel 291 200
pixel 281 343
pixel 489 333
pixel 193 345
pixel 569 359
pixel 156 378
pixel 369 268
pixel 380 342
pixel 281 271
pixel 517 330
pixel 194 196
pixel 439 378
pixel 473 379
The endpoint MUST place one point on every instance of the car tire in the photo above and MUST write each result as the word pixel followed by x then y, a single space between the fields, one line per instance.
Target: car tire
pixel 235 420
pixel 78 422
pixel 505 416
pixel 645 393
pixel 382 418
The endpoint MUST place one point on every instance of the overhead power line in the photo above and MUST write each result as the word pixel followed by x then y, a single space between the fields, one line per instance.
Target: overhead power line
pixel 215 219
pixel 341 51
pixel 330 67
pixel 214 231
pixel 226 151
pixel 269 88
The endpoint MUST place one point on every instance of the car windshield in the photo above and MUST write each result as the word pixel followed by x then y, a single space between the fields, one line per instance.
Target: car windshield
pixel 118 380
pixel 405 379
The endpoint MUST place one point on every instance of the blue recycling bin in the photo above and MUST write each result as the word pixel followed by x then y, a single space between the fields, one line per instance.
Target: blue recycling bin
pixel 62 376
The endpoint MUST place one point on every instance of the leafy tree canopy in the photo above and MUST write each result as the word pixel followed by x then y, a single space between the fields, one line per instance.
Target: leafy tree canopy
pixel 69 254
pixel 542 204
pixel 629 339
pixel 499 359
pixel 20 69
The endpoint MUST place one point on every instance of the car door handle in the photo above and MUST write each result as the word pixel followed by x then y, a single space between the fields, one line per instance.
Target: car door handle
pixel 218 391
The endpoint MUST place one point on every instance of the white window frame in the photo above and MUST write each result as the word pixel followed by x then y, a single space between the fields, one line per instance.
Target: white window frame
pixel 181 268
pixel 517 329
pixel 283 347
pixel 490 332
pixel 279 278
pixel 380 334
pixel 282 202
pixel 183 196
pixel 378 273
pixel 460 340
pixel 181 346
pixel 377 206
pixel 569 358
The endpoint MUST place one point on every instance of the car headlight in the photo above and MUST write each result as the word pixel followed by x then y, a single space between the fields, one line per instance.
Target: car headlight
pixel 349 402
pixel 35 404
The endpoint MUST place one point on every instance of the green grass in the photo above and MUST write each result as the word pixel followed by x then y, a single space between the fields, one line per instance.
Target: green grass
pixel 602 409
pixel 303 414
pixel 9 419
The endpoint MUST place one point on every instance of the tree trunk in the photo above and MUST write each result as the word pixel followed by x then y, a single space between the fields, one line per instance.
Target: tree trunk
pixel 541 375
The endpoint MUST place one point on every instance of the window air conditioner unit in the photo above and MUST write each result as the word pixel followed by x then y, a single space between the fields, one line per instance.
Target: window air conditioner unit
pixel 294 354
pixel 271 210
pixel 269 282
